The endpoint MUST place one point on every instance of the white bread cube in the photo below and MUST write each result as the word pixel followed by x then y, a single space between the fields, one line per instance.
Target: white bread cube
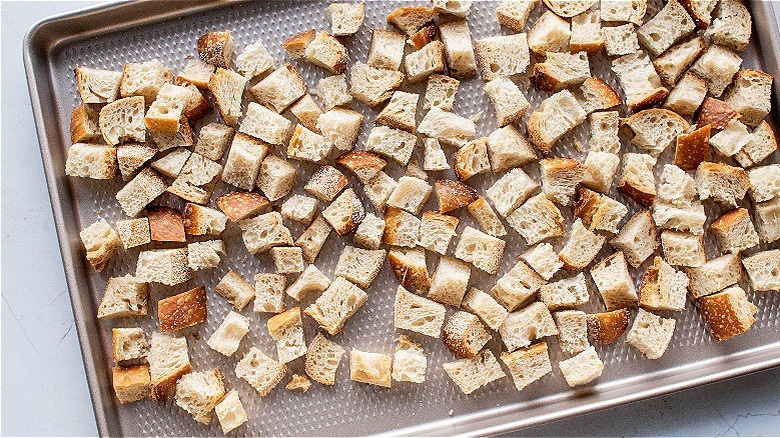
pixel 764 182
pixel 683 249
pixel 276 177
pixel 410 194
pixel 401 228
pixel 560 178
pixel 129 344
pixel 168 361
pixel 409 361
pixel 450 281
pixel 714 276
pixel 440 91
pixel 434 157
pixel 731 26
pixel 717 66
pixel 487 219
pixel 637 179
pixel 123 297
pixel 230 412
pixel 307 111
pixel 762 144
pixel 604 132
pixel 447 127
pixel 263 232
pixel 436 231
pixel 762 268
pixel 734 231
pixel 537 219
pixel 581 248
pixel 482 250
pixel 565 293
pixel 400 112
pixel 101 243
pixel 371 368
pixel 97 86
pixel 322 359
pixel 198 392
pixel 199 220
pixel 511 190
pixel 572 330
pixel 345 18
pixel 557 115
pixel 280 89
pixel 254 60
pixel 767 220
pixel 723 183
pixel 508 149
pixel 85 124
pixel 472 374
pixel 287 259
pixel 583 368
pixel 614 282
pixel 91 161
pixel 514 13
pixel 307 145
pixel 130 156
pixel 687 96
pixel 690 218
pixel 655 129
pixel 327 52
pixel 750 95
pixel 336 305
pixel 464 334
pixel 372 85
pixel 227 337
pixel 227 87
pixel 668 26
pixel 196 180
pixel 457 9
pixel 387 49
pixel 262 372
pixel 640 82
pixel 300 208
pixel 144 79
pixel 415 313
pixel 620 40
pixel 675 61
pixel 340 127
pixel 502 56
pixel 264 124
pixel 392 143
pixel 731 139
pixel 134 232
pixel 313 238
pixel 235 290
pixel 728 313
pixel 345 213
pixel 333 91
pixel 286 329
pixel 527 365
pixel 269 293
pixel 166 110
pixel 369 233
pixel 622 11
pixel 663 288
pixel 310 280
pixel 596 95
pixel 600 170
pixel 205 255
pixel 675 187
pixel 516 286
pixel 561 70
pixel 421 64
pixel 472 159
pixel 166 266
pixel 586 33
pixel 326 183
pixel 485 307
pixel 542 259
pixel 638 238
pixel 508 101
pixel 456 37
pixel 171 164
pixel 122 120
pixel 410 268
pixel 548 34
pixel 651 334
pixel 528 324
pixel 360 266
pixel 378 189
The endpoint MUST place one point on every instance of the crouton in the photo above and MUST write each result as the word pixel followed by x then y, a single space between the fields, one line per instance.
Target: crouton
pixel 526 325
pixel 607 327
pixel 501 56
pixel 614 282
pixel 734 231
pixel 124 296
pixel 637 179
pixel 310 280
pixel 300 208
pixel 279 89
pixel 182 310
pixel 450 281
pixel 671 24
pixel 130 157
pixel 276 177
pixel 387 49
pixel 731 26
pixel 144 79
pixel 372 85
pixel 263 232
pixel 542 259
pixel 227 87
pixel 472 159
pixel 663 288
pixel 345 18
pixel 227 337
pixel 507 99
pixel 731 139
pixel 97 86
pixel 565 293
pixel 572 330
pixel 244 160
pixel 237 291
pixel 307 111
pixel 764 182
pixel 392 143
pixel 537 219
pixel 345 213
pixel 456 37
pixel 464 334
pixel 472 374
pixel 762 144
pixel 409 361
pixel 400 111
pixel 623 11
pixel 241 205
pixel 434 157
pixel 440 91
pixel 548 34
pixel 205 255
pixel 230 412
pixel 253 61
pixel 750 95
pixel 717 66
pixel 196 180
pixel 260 371
pixel 92 161
pixel 762 269
pixel 482 250
pixel 409 267
pixel 378 189
pixel 122 120
pixel 287 330
pixel 620 40
pixel 447 127
pixel 168 361
pixel 514 13
pixel 508 149
pixel 436 231
pixel 417 314
pixel 638 238
pixel 586 33
pixel 322 359
pixel 517 286
pixel 336 305
pixel 428 60
pixel 692 148
pixel 131 383
pixel 767 220
pixel 581 248
pixel 487 219
pixel 640 82
pixel 728 313
pixel 604 132
pixel 683 249
pixel 340 127
pixel 714 276
pixel 561 70
pixel 287 259
pixel 672 64
pixel 411 18
pixel 557 115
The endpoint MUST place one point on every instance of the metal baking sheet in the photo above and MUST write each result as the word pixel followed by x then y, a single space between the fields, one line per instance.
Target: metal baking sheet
pixel 108 36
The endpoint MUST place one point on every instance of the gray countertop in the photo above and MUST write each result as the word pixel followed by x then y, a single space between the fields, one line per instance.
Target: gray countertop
pixel 44 389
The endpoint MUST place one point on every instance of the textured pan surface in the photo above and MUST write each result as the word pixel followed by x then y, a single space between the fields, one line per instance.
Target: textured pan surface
pixel 347 408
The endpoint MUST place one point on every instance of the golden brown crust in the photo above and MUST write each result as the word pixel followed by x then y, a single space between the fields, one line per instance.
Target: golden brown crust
pixel 132 376
pixel 399 15
pixel 692 148
pixel 725 169
pixel 700 21
pixel 166 224
pixel 84 126
pixel 657 97
pixel 408 275
pixel 162 389
pixel 716 113
pixel 541 78
pixel 191 218
pixel 393 218
pixel 606 327
pixel 183 310
pixel 296 44
pixel 197 108
pixel 645 198
pixel 363 164
pixel 604 90
pixel 423 37
pixel 586 205
pixel 281 322
pixel 453 195
pixel 720 315
pixel 216 48
pixel 727 220
pixel 241 205
pixel 589 48
pixel 649 285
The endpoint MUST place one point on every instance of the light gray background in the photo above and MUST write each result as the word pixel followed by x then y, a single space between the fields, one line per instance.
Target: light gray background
pixel 44 390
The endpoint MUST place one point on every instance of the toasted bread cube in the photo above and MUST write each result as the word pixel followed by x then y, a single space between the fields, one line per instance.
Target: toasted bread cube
pixel 400 111
pixel 213 140
pixel 131 383
pixel 205 255
pixel 509 149
pixel 450 281
pixel 196 108
pixel 581 248
pixel 542 259
pixel 392 143
pixel 227 337
pixel 327 52
pixel 572 330
pixel 97 86
pixel 409 361
pixel 336 305
pixel 168 361
pixel 144 79
pixel 241 205
pixel 714 276
pixel 124 296
pixel 735 231
pixel 464 334
pixel 166 110
pixel 411 19
pixel 131 157
pixel 728 313
pixel 557 115
pixel 129 344
pixel 171 164
pixel 313 238
pixel 528 324
pixel 296 44
pixel 487 219
pixel 762 268
pixel 84 124
pixel 254 60
pixel 600 170
pixel 230 412
pixel 638 238
pixel 216 48
pixel 227 87
pixel 370 231
pixel 607 327
pixel 287 330
pixel 279 89
pixel 482 250
pixel 683 249
pixel 440 91
pixel 537 219
pixel 472 159
pixel 447 127
pixel 410 194
pixel 663 288
pixel 360 266
pixel 514 13
pixel 166 266
pixel 668 26
pixel 372 85
pixel 387 49
pixel 548 34
pixel 91 161
pixel 326 183
pixel 768 220
pixel 260 122
pixel 310 280
pixel 371 368
pixel 122 120
pixel 101 243
pixel 269 292
pixel 456 37
pixel 197 179
pixel 345 213
pixel 415 313
pixel 134 232
pixel 485 307
pixel 263 232
pixel 307 111
pixel 637 179
pixel 262 372
pixel 276 177
pixel 166 224
pixel 378 189
pixel 583 368
pixel 762 144
pixel 565 293
pixel 409 267
pixel 182 310
pixel 528 365
pixel 764 182
pixel 508 101
pixel 472 374
pixel 614 282
pixel 516 286
pixel 604 132
pixel 244 161
pixel 333 91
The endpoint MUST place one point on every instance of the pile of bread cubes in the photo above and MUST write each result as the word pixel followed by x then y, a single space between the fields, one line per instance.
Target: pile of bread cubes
pixel 684 91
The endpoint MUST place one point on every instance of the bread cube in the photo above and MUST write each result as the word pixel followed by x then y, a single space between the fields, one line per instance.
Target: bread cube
pixel 227 337
pixel 409 267
pixel 683 249
pixel 140 192
pixel 168 361
pixel 401 228
pixel 638 238
pixel 166 224
pixel 537 219
pixel 84 125
pixel 671 24
pixel 307 145
pixel 640 82
pixel 690 218
pixel 166 266
pixel 327 52
pixel 595 95
pixel 620 40
pixel 472 159
pixel 326 183
pixel 481 250
pixel 464 334
pixel 412 18
pixel 387 49
pixel 130 156
pixel 310 280
pixel 197 179
pixel 235 290
pixel 269 292
pixel 472 374
pixel 287 330
pixel 415 313
pixel 322 359
pixel 276 177
pixel 528 324
pixel 379 189
pixel 763 269
pixel 166 110
pixel 485 307
pixel 762 144
pixel 122 121
pixel 205 255
pixel 336 305
pixel 687 96
pixel 333 91
pixel 542 259
pixel 97 86
pixel 637 179
pixel 307 111
pixel 764 182
pixel 91 161
pixel 528 365
pixel 717 66
pixel 101 243
pixel 565 293
pixel 287 259
pixel 372 85
pixel 340 127
pixel 440 91
pixel 768 220
pixel 227 87
pixel 750 95
pixel 400 111
pixel 410 194
pixel 264 124
pixel 516 286
pixel 313 238
pixel 598 212
pixel 345 213
pixel 456 37
pixel 600 170
pixel 371 368
pixel 728 313
pixel 254 60
pixel 604 132
pixel 300 208
pixel 572 330
pixel 391 143
pixel 502 56
pixel 731 139
pixel 279 89
pixel 514 13
pixel 182 310
pixel 622 11
pixel 487 219
pixel 651 334
pixel 663 288
pixel 360 266
pixel 508 101
pixel 230 412
pixel 614 282
pixel 369 233
pixel 129 344
pixel 216 48
pixel 171 164
pixel 548 34
pixel 263 232
pixel 557 115
pixel 563 70
pixel 262 372
pixel 409 361
pixel 244 161
pixel 511 190
pixel 241 205
pixel 131 383
pixel 450 281
pixel 447 127
pixel 428 60
pixel 142 79
pixel 583 368
pixel 200 220
pixel 508 149
pixel 714 276
pixel 124 296
pixel 735 231
pixel 560 178
pixel 607 327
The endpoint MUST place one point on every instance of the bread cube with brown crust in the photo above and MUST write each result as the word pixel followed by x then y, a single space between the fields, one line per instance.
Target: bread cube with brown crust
pixel 183 310
pixel 166 224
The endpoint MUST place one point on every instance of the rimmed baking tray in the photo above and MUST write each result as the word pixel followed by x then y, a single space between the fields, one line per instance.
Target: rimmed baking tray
pixel 108 36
